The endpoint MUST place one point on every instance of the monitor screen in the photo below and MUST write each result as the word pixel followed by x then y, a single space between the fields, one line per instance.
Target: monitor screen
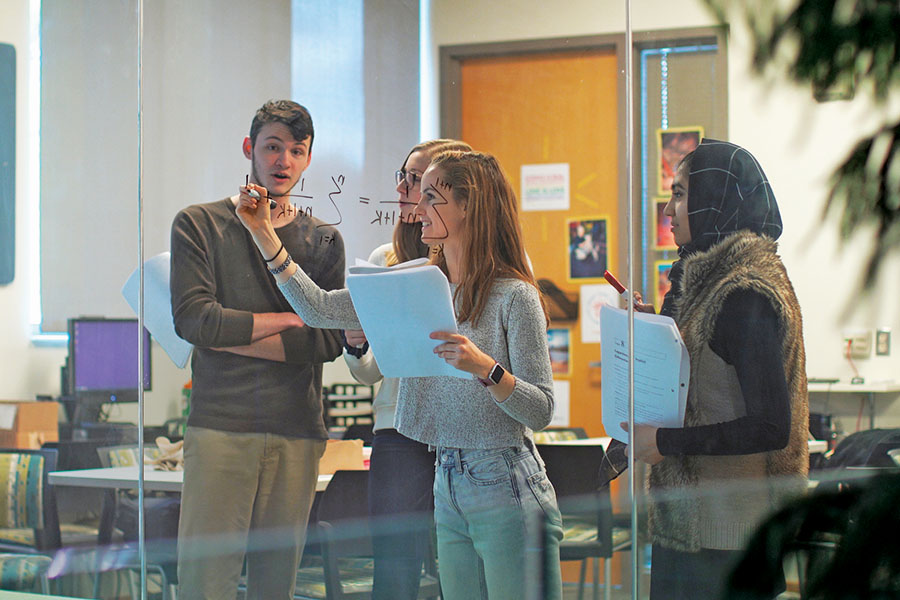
pixel 103 358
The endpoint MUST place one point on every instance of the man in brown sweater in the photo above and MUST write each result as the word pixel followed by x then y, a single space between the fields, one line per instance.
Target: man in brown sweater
pixel 255 431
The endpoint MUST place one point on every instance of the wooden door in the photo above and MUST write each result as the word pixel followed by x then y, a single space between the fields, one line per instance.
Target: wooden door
pixel 555 107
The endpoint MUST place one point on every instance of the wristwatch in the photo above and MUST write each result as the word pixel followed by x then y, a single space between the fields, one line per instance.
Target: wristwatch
pixel 493 377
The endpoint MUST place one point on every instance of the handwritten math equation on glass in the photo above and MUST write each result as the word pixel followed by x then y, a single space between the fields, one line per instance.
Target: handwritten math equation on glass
pixel 340 199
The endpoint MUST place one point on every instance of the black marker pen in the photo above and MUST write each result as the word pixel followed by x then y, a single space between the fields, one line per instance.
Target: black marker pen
pixel 255 194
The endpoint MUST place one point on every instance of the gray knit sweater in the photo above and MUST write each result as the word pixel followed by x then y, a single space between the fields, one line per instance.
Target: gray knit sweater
pixel 449 411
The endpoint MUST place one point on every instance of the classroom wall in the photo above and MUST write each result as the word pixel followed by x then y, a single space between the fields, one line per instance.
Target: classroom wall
pixel 797 140
pixel 26 369
pixel 203 78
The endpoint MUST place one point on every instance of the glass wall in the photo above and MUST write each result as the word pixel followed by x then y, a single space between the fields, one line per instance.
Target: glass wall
pixel 589 108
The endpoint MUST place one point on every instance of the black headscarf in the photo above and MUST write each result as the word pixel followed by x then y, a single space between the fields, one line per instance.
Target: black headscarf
pixel 727 192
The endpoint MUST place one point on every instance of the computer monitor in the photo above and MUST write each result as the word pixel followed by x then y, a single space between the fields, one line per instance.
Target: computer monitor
pixel 102 365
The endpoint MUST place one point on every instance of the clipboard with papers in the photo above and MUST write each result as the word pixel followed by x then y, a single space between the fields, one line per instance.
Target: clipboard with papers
pixel 662 371
pixel 398 307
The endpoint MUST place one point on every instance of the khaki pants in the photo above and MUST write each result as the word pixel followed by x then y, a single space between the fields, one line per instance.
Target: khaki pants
pixel 244 492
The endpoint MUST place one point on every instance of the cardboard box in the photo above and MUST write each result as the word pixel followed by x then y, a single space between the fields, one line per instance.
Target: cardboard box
pixel 28 424
pixel 342 455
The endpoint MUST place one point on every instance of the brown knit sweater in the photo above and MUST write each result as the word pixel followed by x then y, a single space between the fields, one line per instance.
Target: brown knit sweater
pixel 717 501
pixel 218 281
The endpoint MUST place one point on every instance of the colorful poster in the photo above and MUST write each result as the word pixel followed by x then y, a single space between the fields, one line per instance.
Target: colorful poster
pixel 587 248
pixel 662 226
pixel 558 342
pixel 561 403
pixel 673 144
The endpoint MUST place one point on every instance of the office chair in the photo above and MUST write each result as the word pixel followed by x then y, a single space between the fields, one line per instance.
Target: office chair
pixel 588 530
pixel 161 511
pixel 343 530
pixel 28 519
pixel 29 526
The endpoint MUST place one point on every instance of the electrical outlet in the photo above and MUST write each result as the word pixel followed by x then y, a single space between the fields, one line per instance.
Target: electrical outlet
pixel 859 341
pixel 883 341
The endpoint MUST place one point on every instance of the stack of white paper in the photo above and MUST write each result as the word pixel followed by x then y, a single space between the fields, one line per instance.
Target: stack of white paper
pixel 662 371
pixel 398 308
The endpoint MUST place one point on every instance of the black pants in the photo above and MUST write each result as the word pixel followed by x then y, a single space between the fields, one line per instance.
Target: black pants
pixel 401 501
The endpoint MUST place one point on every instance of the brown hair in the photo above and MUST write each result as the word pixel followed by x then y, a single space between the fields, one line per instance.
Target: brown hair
pixel 407 240
pixel 492 245
pixel 294 116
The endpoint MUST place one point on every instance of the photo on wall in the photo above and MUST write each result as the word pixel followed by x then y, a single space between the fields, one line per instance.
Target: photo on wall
pixel 662 226
pixel 672 145
pixel 661 269
pixel 587 248
pixel 558 342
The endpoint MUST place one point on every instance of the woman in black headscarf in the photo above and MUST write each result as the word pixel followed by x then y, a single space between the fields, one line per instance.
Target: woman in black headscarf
pixel 743 445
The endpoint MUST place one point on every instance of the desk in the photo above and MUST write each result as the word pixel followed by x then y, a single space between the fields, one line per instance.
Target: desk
pixel 815 446
pixel 126 478
pixel 868 390
pixel 595 441
pixel 7 595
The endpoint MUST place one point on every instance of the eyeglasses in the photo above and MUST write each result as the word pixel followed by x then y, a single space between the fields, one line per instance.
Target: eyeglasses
pixel 411 178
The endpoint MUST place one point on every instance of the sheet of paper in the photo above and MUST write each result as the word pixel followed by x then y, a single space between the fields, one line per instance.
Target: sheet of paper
pixel 158 307
pixel 661 371
pixel 398 309
pixel 362 267
pixel 8 415
pixel 593 297
pixel 561 403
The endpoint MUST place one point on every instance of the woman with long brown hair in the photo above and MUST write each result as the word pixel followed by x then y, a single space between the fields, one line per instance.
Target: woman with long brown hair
pixel 401 470
pixel 495 510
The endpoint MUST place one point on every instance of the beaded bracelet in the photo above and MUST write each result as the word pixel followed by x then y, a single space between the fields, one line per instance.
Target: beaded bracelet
pixel 274 256
pixel 282 266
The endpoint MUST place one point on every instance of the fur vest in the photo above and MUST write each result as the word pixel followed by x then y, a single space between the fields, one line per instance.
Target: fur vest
pixel 717 501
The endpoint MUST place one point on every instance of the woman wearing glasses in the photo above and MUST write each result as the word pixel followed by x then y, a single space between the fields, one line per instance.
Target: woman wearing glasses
pixel 401 473
pixel 498 524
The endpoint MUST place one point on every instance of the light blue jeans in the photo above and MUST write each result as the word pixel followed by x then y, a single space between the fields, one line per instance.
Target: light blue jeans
pixel 498 525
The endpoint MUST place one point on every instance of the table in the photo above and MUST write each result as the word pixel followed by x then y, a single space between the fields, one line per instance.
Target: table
pixel 867 389
pixel 815 446
pixel 594 441
pixel 126 478
pixel 8 595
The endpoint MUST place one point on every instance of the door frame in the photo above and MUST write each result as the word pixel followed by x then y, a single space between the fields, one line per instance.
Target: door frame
pixel 452 56
pixel 450 94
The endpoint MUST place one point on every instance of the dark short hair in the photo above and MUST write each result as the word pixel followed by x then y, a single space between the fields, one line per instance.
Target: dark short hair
pixel 293 115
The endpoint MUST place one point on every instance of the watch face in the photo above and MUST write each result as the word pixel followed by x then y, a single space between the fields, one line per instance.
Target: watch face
pixel 496 374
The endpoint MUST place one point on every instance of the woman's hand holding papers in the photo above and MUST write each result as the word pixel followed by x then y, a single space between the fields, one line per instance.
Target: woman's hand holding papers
pixel 459 351
pixel 644 443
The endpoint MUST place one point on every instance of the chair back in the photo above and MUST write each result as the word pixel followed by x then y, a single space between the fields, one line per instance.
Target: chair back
pixel 574 473
pixel 344 507
pixel 22 504
pixel 346 537
pixel 559 434
pixel 29 501
pixel 359 431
